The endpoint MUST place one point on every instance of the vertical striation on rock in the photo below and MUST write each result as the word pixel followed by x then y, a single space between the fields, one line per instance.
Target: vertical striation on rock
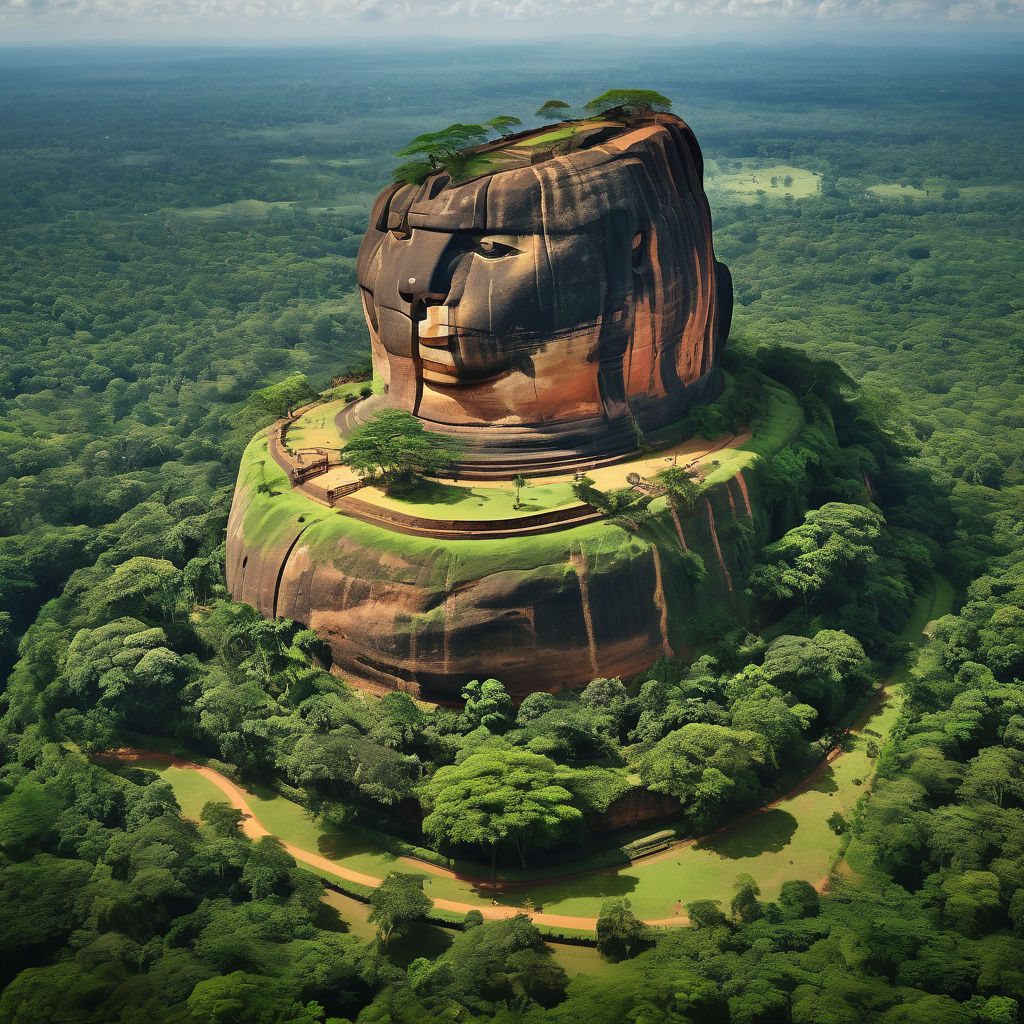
pixel 548 310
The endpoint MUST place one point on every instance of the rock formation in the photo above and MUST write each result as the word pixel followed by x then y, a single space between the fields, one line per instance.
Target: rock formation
pixel 556 305
pixel 544 311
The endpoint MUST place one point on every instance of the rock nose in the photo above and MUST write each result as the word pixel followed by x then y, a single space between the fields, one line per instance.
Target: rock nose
pixel 420 273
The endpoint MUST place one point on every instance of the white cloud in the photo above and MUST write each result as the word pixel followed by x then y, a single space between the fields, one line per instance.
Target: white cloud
pixel 437 16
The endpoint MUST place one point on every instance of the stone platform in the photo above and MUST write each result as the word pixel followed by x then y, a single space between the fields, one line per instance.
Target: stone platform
pixel 425 598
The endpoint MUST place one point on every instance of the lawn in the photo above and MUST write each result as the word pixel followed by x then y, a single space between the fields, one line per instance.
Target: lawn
pixel 540 140
pixel 748 183
pixel 316 427
pixel 487 163
pixel 433 499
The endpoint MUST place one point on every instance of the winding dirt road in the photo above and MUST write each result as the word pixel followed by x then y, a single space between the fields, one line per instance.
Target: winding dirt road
pixel 254 829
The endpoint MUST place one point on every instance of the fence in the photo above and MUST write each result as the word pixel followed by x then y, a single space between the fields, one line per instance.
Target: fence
pixel 302 473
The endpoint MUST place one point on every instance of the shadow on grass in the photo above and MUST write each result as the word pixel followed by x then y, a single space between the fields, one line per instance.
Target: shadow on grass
pixel 339 845
pixel 767 833
pixel 601 886
pixel 825 781
pixel 263 792
pixel 329 919
pixel 422 939
pixel 429 492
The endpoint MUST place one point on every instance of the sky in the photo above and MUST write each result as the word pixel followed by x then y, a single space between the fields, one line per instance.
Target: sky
pixel 42 21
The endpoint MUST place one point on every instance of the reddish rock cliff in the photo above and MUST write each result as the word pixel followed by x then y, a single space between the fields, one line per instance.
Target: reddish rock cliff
pixel 554 304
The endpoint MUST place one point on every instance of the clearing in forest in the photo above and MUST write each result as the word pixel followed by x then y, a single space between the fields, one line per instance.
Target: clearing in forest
pixel 746 179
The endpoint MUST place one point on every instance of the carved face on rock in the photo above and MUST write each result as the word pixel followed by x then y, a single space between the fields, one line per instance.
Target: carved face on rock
pixel 579 289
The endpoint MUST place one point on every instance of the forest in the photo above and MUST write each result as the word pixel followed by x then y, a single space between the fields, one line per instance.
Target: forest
pixel 179 240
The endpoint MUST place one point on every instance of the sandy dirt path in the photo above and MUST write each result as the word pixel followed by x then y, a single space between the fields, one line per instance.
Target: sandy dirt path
pixel 254 829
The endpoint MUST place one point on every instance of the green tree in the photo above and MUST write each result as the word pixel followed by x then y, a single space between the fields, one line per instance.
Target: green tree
pixel 496 797
pixel 396 443
pixel 279 399
pixel 620 935
pixel 397 902
pixel 443 149
pixel 148 586
pixel 630 101
pixel 744 905
pixel 681 487
pixel 624 507
pixel 502 123
pixel 798 899
pixel 26 818
pixel 706 767
pixel 487 704
pixel 823 671
pixel 993 775
pixel 705 914
pixel 519 482
pixel 267 866
pixel 553 108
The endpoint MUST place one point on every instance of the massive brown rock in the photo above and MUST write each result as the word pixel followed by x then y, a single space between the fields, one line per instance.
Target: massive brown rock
pixel 560 304
pixel 544 311
pixel 541 612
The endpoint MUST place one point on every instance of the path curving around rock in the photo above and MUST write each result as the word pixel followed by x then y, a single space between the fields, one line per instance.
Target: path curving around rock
pixel 927 608
pixel 254 829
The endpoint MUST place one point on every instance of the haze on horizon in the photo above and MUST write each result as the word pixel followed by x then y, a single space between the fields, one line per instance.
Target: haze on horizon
pixel 996 23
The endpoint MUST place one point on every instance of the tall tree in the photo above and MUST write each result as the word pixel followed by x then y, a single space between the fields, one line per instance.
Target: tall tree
pixel 553 108
pixel 620 934
pixel 630 101
pixel 496 797
pixel 397 902
pixel 396 443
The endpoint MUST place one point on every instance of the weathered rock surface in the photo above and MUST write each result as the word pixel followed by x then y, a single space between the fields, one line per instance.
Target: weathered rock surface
pixel 540 612
pixel 542 313
pixel 551 306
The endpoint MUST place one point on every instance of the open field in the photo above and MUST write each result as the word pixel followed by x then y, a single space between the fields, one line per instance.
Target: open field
pixel 753 179
pixel 243 208
pixel 444 499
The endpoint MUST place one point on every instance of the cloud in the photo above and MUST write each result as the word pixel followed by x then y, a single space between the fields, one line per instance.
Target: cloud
pixel 593 15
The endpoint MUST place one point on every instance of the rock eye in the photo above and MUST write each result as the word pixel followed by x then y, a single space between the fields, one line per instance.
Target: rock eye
pixel 492 250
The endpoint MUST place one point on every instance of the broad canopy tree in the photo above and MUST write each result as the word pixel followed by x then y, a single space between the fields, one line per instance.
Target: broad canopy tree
pixel 397 902
pixel 553 108
pixel 620 934
pixel 444 149
pixel 497 797
pixel 629 101
pixel 396 444
pixel 707 768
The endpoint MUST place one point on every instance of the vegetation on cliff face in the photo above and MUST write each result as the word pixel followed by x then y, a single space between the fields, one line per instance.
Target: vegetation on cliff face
pixel 212 237
pixel 719 734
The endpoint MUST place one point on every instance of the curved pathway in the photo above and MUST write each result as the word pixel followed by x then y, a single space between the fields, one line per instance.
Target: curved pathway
pixel 254 829
pixel 925 609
